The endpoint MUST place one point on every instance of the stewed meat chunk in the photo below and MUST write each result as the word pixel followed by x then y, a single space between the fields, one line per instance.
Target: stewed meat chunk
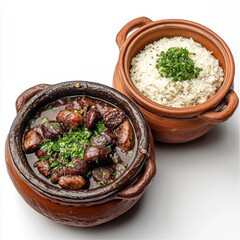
pixel 96 154
pixel 102 108
pixel 85 104
pixel 99 140
pixel 56 174
pixel 92 117
pixel 113 117
pixel 43 167
pixel 106 137
pixel 79 167
pixel 70 118
pixel 72 182
pixel 40 153
pixel 103 175
pixel 32 140
pixel 109 135
pixel 51 129
pixel 125 136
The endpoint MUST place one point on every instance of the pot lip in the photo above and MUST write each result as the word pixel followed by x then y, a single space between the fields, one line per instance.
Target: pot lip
pixel 162 110
pixel 63 89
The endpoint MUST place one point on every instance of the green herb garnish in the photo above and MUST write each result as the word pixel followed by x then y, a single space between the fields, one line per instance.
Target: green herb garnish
pixel 50 107
pixel 45 120
pixel 68 145
pixel 177 64
pixel 32 120
pixel 100 126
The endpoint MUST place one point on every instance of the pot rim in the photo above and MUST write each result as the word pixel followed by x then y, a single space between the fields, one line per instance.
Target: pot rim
pixel 162 110
pixel 72 88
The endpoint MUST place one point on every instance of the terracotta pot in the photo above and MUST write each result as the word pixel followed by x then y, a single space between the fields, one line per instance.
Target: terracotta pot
pixel 168 124
pixel 79 208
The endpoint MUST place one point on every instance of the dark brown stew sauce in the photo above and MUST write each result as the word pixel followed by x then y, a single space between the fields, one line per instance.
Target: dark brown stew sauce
pixel 79 142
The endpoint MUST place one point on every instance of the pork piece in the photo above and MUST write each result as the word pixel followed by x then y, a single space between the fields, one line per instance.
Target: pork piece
pixel 80 167
pixel 40 153
pixel 101 108
pixel 84 104
pixel 70 118
pixel 106 137
pixel 32 140
pixel 43 167
pixel 103 175
pixel 125 136
pixel 51 129
pixel 70 106
pixel 113 117
pixel 99 140
pixel 87 103
pixel 96 155
pixel 92 117
pixel 109 135
pixel 72 182
pixel 56 174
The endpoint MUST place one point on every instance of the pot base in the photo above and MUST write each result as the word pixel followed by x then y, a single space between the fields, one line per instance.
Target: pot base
pixel 72 214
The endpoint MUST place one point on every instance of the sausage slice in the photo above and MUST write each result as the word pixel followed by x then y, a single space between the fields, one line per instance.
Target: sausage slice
pixel 125 135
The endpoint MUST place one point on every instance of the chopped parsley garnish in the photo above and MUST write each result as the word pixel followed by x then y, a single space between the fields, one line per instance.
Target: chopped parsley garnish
pixel 32 120
pixel 177 64
pixel 45 120
pixel 100 126
pixel 68 145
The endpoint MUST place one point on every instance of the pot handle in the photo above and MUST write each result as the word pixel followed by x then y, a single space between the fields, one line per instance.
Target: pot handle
pixel 135 23
pixel 138 188
pixel 25 96
pixel 228 110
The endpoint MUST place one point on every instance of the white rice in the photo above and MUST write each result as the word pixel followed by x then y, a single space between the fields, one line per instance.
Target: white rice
pixel 180 94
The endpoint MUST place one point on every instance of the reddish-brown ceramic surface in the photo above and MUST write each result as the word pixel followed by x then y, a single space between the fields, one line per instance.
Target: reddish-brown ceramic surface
pixel 175 125
pixel 92 207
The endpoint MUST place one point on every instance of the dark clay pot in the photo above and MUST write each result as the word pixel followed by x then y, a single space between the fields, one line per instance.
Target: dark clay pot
pixel 79 208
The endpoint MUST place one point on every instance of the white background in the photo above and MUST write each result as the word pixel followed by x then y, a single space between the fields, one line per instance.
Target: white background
pixel 195 194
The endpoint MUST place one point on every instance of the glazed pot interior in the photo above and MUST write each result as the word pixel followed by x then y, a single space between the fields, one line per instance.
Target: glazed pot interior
pixel 54 92
pixel 172 28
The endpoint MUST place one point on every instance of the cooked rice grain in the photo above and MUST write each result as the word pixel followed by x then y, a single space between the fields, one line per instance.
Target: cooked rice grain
pixel 180 94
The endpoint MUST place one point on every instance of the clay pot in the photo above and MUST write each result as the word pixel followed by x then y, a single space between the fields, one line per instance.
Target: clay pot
pixel 79 208
pixel 168 124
